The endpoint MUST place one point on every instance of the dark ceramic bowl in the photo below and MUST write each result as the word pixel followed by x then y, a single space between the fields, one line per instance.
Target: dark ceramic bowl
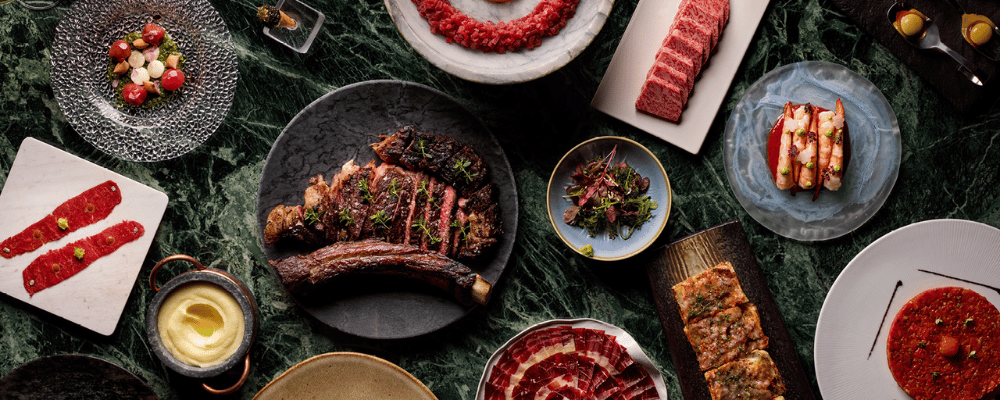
pixel 225 281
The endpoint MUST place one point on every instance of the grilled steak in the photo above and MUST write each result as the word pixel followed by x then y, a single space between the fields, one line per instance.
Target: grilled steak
pixel 442 156
pixel 302 274
pixel 420 201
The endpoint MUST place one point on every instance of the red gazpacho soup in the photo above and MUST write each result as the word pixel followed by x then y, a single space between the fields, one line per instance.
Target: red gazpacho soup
pixel 945 344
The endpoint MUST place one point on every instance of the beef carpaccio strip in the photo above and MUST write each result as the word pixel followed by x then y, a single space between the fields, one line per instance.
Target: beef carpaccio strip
pixel 84 209
pixel 57 265
pixel 568 362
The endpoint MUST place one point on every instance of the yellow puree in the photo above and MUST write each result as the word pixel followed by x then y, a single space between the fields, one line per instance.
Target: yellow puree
pixel 201 324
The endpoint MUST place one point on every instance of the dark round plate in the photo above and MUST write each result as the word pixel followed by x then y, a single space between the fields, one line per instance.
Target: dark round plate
pixel 339 127
pixel 73 376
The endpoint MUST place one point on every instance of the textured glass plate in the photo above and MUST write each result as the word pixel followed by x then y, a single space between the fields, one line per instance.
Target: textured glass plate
pixel 511 67
pixel 86 97
pixel 644 162
pixel 849 352
pixel 875 151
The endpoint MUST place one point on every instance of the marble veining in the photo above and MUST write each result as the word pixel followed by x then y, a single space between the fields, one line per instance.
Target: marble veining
pixel 948 170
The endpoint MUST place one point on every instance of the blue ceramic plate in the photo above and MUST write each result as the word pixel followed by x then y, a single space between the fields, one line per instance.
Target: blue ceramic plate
pixel 644 162
pixel 875 151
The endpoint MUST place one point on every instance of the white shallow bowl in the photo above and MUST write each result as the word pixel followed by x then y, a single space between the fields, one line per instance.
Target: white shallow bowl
pixel 510 67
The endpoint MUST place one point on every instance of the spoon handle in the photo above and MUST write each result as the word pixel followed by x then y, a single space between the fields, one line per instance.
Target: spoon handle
pixel 961 64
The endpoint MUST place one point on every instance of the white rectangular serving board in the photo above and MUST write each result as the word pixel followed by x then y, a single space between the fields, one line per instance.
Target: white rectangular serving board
pixel 43 177
pixel 636 52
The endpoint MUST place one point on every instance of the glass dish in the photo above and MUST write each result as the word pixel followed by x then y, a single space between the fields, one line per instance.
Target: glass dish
pixel 308 21
pixel 875 143
pixel 133 133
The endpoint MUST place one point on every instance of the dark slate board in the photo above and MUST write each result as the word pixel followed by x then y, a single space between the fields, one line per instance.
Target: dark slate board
pixel 677 261
pixel 939 70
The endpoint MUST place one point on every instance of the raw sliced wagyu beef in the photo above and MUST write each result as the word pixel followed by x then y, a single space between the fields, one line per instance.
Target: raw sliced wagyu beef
pixel 692 37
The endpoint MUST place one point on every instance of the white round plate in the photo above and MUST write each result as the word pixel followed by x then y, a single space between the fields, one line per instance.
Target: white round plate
pixel 849 351
pixel 510 67
pixel 875 147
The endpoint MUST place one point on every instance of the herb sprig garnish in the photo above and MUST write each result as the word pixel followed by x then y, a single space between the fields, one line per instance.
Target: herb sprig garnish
pixel 608 197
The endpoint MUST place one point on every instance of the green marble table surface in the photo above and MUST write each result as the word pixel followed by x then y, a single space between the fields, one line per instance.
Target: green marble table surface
pixel 949 170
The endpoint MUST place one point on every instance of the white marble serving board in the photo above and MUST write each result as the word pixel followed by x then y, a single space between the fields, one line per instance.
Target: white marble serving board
pixel 636 52
pixel 43 177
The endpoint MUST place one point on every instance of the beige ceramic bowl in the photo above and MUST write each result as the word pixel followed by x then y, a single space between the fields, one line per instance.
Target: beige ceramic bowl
pixel 345 376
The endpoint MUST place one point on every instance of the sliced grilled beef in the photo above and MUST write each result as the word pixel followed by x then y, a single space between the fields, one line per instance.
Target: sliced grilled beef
pixel 465 170
pixel 447 158
pixel 391 147
pixel 352 209
pixel 481 225
pixel 440 202
pixel 429 238
pixel 421 193
pixel 429 152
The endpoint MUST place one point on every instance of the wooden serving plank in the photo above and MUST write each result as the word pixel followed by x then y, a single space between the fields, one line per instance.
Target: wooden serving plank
pixel 677 261
pixel 939 70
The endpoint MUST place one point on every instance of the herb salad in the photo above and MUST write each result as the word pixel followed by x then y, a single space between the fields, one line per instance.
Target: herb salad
pixel 608 197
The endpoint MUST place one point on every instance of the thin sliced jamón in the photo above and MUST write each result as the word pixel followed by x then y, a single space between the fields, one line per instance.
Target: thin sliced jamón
pixel 84 209
pixel 58 265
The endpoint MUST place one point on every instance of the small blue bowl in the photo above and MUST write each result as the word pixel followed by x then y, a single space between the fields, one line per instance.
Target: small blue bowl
pixel 644 162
